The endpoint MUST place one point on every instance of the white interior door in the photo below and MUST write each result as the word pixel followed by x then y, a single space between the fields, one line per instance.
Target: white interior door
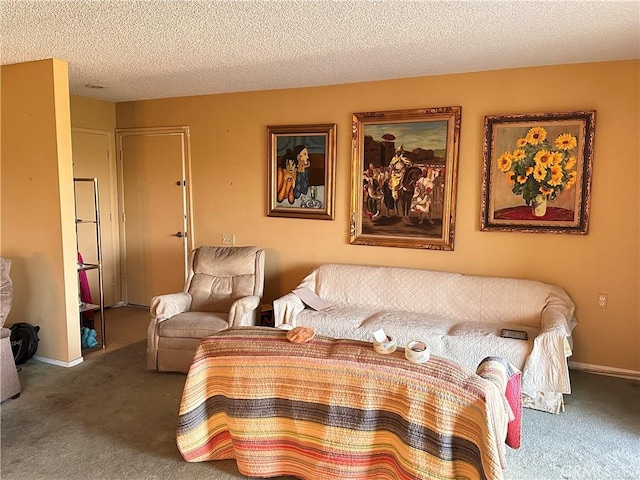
pixel 92 152
pixel 157 237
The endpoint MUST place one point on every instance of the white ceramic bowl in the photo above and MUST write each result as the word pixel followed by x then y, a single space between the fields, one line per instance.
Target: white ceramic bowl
pixel 388 346
pixel 416 351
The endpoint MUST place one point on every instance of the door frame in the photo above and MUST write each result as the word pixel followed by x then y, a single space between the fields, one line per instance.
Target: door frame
pixel 114 233
pixel 189 238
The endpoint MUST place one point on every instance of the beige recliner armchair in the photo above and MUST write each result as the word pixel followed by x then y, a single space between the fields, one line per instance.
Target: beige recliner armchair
pixel 9 381
pixel 224 288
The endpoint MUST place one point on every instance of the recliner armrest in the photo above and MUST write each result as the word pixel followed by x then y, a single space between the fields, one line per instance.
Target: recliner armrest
pixel 244 311
pixel 166 306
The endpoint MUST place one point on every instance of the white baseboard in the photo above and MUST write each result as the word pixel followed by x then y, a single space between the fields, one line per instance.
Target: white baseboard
pixel 583 367
pixel 603 370
pixel 52 361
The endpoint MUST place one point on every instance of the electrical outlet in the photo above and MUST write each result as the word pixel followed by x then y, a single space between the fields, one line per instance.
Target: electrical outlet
pixel 228 239
pixel 603 299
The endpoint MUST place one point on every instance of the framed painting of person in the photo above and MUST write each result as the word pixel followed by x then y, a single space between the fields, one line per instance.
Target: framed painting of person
pixel 301 163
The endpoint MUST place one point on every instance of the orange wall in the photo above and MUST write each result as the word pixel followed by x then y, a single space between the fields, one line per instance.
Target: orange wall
pixel 37 222
pixel 92 114
pixel 229 168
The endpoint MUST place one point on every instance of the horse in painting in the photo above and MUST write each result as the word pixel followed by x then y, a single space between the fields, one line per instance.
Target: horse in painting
pixel 409 179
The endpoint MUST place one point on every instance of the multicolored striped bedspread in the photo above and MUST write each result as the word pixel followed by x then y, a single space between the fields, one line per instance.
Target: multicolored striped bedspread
pixel 335 409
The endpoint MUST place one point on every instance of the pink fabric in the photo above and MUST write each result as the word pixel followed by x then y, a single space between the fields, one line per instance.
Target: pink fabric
pixel 514 397
pixel 85 290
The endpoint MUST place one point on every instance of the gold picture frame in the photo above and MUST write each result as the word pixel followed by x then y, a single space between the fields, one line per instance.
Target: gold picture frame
pixel 537 172
pixel 403 176
pixel 301 162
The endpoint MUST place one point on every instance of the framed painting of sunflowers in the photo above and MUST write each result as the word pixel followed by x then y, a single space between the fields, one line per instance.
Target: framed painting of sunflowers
pixel 537 172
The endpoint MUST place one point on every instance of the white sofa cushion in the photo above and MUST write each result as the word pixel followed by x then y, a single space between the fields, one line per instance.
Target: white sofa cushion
pixel 463 341
pixel 441 294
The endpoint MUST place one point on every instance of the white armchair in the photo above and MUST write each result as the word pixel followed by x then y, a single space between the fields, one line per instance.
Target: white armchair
pixel 224 288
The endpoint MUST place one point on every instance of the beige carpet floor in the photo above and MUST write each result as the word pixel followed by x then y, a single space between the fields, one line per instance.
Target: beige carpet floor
pixel 108 418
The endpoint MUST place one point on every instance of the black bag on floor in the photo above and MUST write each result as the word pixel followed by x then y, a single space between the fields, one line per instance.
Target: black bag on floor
pixel 24 341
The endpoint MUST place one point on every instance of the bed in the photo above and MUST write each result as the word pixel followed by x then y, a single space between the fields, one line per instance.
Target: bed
pixel 337 410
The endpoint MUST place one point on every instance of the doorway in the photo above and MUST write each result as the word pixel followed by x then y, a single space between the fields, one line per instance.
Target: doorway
pixel 155 205
pixel 93 157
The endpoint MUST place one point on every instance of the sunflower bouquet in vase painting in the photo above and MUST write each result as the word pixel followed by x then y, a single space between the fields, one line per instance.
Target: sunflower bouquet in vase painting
pixel 538 169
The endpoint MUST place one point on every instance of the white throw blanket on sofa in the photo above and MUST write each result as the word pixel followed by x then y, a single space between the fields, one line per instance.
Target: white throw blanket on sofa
pixel 459 316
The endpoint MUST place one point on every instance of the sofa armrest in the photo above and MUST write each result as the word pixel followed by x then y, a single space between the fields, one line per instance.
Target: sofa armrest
pixel 244 311
pixel 286 309
pixel 547 368
pixel 166 306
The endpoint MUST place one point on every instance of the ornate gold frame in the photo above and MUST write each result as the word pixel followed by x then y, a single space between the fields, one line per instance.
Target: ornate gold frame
pixel 508 188
pixel 431 137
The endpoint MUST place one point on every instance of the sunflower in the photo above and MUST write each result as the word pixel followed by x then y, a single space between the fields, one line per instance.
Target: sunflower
pixel 566 141
pixel 556 175
pixel 556 158
pixel 522 179
pixel 544 158
pixel 518 154
pixel 539 173
pixel 536 135
pixel 570 163
pixel 546 191
pixel 504 162
pixel 521 142
pixel 509 176
pixel 573 176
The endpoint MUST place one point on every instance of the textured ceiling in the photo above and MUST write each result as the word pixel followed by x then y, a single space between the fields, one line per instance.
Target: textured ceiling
pixel 154 49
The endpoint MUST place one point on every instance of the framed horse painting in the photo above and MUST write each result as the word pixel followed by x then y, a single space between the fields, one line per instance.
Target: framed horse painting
pixel 403 178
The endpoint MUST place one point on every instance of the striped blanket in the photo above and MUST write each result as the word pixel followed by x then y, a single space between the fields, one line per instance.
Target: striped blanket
pixel 335 409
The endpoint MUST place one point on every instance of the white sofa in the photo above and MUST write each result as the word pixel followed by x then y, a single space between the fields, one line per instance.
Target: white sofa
pixel 459 316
